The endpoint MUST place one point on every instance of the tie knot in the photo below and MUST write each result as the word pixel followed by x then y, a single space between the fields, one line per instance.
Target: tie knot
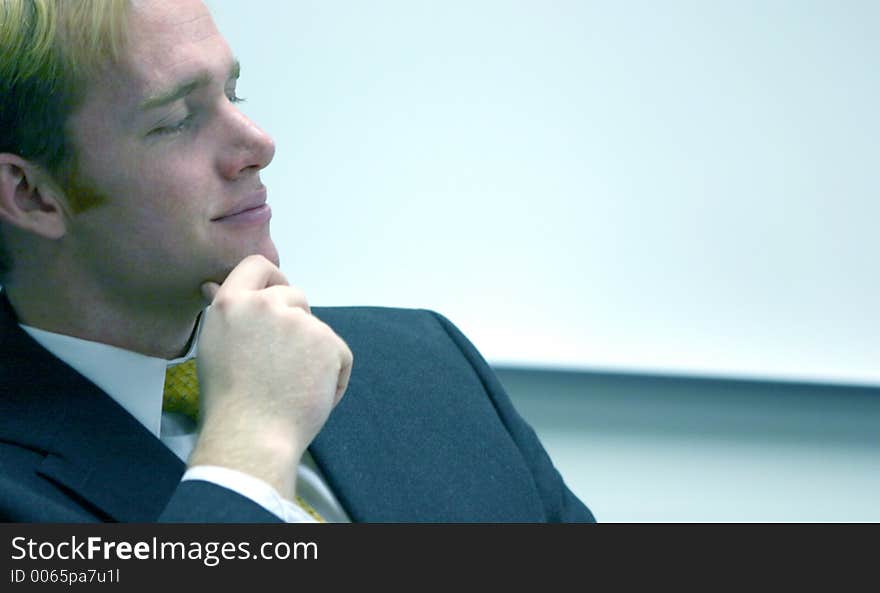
pixel 182 389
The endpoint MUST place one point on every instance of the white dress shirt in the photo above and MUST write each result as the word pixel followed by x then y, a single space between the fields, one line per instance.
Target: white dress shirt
pixel 137 382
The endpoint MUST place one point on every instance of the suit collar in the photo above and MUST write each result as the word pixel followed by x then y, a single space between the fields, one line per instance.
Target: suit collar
pixel 47 406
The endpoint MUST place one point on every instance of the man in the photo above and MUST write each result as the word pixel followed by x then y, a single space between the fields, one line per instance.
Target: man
pixel 130 199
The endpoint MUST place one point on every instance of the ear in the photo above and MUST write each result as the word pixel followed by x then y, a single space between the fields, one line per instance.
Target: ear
pixel 28 199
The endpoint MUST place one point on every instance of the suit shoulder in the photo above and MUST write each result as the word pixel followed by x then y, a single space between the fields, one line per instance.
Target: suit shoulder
pixel 379 319
pixel 387 332
pixel 371 312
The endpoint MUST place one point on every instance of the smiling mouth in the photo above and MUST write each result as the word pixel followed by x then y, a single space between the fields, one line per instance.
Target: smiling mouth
pixel 239 212
pixel 253 206
pixel 254 215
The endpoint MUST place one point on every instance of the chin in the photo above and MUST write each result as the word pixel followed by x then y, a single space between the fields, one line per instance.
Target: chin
pixel 228 260
pixel 269 251
pixel 266 249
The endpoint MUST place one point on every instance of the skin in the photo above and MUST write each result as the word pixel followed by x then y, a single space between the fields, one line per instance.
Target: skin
pixel 136 270
pixel 163 187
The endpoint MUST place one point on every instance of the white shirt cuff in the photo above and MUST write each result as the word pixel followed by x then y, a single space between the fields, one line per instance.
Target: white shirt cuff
pixel 251 488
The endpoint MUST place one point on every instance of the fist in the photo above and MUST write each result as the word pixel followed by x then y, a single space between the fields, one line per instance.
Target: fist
pixel 269 372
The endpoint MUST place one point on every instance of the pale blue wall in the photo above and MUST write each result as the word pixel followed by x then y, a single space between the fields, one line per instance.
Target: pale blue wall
pixel 681 185
pixel 687 187
pixel 651 448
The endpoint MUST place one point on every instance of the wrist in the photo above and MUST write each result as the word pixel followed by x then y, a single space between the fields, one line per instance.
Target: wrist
pixel 268 453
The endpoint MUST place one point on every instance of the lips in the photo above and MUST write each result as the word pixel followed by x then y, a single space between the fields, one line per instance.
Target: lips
pixel 253 202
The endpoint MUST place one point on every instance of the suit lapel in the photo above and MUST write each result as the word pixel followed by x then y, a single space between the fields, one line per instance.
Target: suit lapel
pixel 92 446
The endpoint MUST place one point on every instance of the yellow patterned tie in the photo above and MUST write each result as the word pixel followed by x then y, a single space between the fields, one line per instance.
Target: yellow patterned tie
pixel 181 395
pixel 182 389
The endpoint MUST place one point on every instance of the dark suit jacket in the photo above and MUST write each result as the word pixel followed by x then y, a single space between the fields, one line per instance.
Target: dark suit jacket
pixel 425 433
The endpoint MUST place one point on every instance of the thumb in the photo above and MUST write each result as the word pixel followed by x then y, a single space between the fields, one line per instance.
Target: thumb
pixel 209 290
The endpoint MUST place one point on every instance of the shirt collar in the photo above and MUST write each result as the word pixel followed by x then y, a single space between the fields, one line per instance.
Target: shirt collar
pixel 135 381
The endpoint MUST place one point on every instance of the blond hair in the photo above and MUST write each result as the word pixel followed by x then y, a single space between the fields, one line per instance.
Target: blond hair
pixel 49 52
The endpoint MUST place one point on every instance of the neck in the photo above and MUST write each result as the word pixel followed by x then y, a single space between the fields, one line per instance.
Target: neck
pixel 146 328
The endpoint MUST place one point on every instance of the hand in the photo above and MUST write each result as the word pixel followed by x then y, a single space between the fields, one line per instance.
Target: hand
pixel 269 373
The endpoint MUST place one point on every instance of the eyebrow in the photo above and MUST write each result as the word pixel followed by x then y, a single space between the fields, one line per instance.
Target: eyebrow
pixel 183 89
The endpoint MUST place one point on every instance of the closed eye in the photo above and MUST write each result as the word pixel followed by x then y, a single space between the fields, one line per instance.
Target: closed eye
pixel 175 128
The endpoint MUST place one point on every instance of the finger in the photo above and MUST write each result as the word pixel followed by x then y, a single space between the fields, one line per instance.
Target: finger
pixel 254 272
pixel 288 296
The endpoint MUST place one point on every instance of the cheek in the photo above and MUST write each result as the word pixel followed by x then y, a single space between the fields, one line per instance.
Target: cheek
pixel 178 180
pixel 146 214
pixel 172 192
pixel 161 191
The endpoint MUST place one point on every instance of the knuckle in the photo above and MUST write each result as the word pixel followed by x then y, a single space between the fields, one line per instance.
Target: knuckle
pixel 319 329
pixel 343 348
pixel 262 302
pixel 297 318
pixel 327 334
pixel 300 297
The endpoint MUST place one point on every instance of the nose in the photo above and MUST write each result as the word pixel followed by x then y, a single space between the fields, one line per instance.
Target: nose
pixel 247 149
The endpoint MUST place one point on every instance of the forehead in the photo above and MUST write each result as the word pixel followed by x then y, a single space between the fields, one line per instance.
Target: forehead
pixel 170 40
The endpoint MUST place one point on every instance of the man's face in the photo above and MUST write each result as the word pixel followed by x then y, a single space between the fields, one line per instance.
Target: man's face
pixel 161 143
